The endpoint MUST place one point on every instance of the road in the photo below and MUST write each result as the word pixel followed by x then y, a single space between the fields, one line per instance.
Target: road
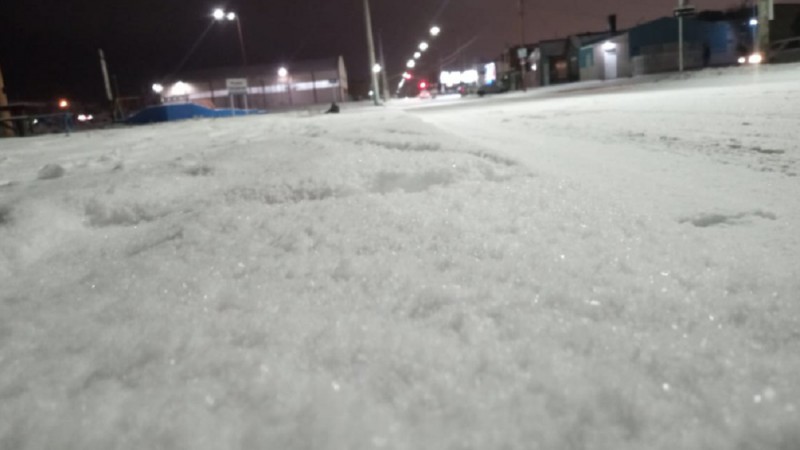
pixel 716 148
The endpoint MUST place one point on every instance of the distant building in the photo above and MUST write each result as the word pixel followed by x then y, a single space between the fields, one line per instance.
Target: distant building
pixel 267 87
pixel 653 47
pixel 557 61
pixel 606 60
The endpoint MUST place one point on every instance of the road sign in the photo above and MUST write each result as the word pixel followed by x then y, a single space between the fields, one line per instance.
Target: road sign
pixel 684 11
pixel 236 86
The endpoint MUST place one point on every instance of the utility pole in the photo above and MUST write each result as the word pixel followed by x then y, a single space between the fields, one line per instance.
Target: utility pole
pixel 371 50
pixel 384 76
pixel 109 95
pixel 766 12
pixel 681 4
pixel 6 129
pixel 523 51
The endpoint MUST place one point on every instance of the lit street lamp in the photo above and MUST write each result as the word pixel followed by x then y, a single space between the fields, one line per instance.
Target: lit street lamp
pixel 180 89
pixel 411 64
pixel 219 15
pixel 417 55
pixel 435 31
pixel 423 46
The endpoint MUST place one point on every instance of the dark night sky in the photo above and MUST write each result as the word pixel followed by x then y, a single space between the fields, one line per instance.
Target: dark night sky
pixel 48 48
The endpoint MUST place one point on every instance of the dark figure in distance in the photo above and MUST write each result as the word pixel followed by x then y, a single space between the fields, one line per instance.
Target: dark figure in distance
pixel 334 109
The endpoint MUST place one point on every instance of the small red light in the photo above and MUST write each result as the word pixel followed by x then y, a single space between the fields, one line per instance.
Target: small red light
pixel 63 103
pixel 423 85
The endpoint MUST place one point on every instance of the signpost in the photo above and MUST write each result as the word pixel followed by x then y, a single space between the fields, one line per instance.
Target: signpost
pixel 237 86
pixel 522 54
pixel 683 10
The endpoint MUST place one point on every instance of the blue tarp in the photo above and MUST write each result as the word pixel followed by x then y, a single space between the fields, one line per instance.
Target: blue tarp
pixel 183 111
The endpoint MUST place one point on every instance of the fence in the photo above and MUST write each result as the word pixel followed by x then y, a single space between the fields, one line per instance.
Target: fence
pixel 28 125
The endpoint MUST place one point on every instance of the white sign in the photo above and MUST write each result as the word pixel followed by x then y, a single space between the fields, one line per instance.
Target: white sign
pixel 684 12
pixel 490 73
pixel 451 79
pixel 236 86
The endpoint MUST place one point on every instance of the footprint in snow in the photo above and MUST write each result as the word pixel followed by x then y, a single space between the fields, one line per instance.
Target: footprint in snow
pixel 706 220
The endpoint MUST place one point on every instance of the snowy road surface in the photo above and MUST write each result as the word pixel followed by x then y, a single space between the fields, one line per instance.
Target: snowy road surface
pixel 611 268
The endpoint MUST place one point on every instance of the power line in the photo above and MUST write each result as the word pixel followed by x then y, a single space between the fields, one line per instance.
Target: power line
pixel 191 51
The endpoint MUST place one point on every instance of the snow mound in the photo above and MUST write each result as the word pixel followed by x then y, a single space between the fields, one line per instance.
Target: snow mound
pixel 50 172
pixel 371 281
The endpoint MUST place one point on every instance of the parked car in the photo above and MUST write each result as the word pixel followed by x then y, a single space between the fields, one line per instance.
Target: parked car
pixel 784 51
pixel 498 87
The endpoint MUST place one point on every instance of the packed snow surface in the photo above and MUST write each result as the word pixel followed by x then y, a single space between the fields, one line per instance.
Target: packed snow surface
pixel 616 267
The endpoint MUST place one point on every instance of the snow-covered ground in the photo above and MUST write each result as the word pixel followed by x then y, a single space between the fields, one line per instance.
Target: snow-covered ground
pixel 616 267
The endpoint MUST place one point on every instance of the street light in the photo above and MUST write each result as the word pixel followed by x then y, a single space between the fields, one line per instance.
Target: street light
pixel 180 88
pixel 283 72
pixel 377 68
pixel 411 64
pixel 423 46
pixel 158 88
pixel 220 14
pixel 435 31
pixel 417 55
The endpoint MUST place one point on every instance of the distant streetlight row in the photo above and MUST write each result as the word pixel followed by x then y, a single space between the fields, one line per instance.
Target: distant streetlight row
pixel 421 48
pixel 376 68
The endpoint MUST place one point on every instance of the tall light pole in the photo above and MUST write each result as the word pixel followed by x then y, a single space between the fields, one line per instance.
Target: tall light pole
pixel 681 4
pixel 765 14
pixel 523 51
pixel 371 50
pixel 5 125
pixel 384 77
pixel 219 15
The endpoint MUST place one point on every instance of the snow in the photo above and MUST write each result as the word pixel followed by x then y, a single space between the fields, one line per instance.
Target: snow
pixel 610 267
